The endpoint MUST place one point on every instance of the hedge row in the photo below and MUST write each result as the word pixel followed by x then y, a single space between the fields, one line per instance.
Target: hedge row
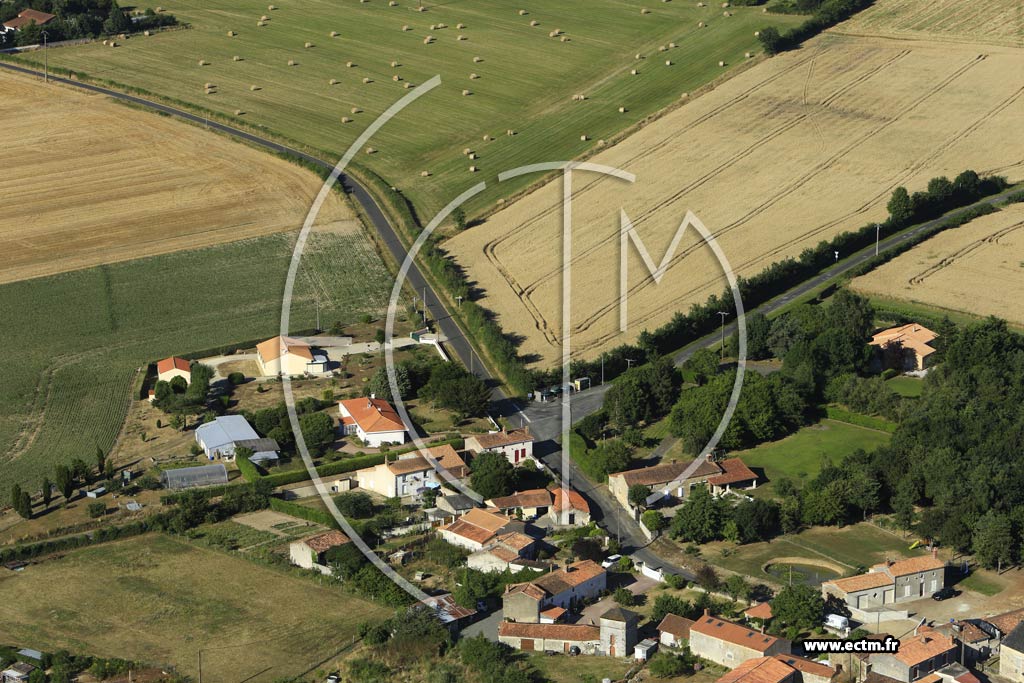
pixel 113 533
pixel 849 417
pixel 302 512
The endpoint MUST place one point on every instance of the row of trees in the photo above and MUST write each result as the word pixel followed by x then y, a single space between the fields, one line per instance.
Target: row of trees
pixel 704 518
pixel 65 479
pixel 77 19
pixel 824 14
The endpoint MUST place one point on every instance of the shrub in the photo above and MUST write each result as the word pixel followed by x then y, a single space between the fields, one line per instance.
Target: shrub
pixel 236 378
pixel 97 509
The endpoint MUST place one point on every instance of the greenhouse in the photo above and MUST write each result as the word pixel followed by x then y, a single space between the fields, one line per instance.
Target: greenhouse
pixel 191 477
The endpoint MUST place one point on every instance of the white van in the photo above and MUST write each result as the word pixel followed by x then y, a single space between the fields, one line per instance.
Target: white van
pixel 837 621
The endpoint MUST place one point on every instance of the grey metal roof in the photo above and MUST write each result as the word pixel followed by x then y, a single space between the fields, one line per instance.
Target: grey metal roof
pixel 258 445
pixel 31 654
pixel 224 430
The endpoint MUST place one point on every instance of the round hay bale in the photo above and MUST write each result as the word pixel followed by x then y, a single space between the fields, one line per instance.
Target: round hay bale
pixel 147 34
pixel 461 37
pixel 748 55
pixel 308 45
pixel 700 4
pixel 367 80
pixel 202 62
pixel 764 10
pixel 396 78
pixel 487 138
pixel 472 155
pixel 392 3
pixel 291 62
pixel 472 169
pixel 442 25
pixel 726 14
pixel 633 72
pixel 239 112
pixel 500 201
pixel 584 138
pixel 424 174
pixel 264 18
pixel 553 34
pixel 350 64
pixel 724 5
pixel 473 77
pixel 600 143
pixel 564 39
pixel 477 60
pixel 523 13
pixel 668 62
pixel 106 42
pixel 333 81
pixel 421 8
pixel 209 85
pixel 261 23
pixel 159 9
pixel 757 33
pixel 662 48
pixel 113 43
pixel 645 11
pixel 721 63
pixel 433 27
pixel 231 34
pixel 371 150
pixel 428 40
pixel 534 22
pixel 460 26
pixel 406 27
pixel 510 132
pixel 638 56
pixel 466 151
pixel 271 7
pixel 334 34
pixel 254 88
pixel 466 93
pixel 394 64
pixel 345 119
pixel 684 95
pixel 356 110
pixel 236 58
pixel 407 85
pixel 701 24
pixel 622 110
pixel 671 46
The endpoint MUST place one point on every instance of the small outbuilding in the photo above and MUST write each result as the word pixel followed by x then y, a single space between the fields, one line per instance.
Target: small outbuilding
pixel 195 477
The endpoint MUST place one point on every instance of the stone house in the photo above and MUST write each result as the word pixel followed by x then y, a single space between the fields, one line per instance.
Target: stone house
pixel 890 583
pixel 730 644
pixel 565 588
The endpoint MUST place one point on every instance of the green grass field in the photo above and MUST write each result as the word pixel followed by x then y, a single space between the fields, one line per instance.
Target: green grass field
pixel 854 546
pixel 526 82
pixel 81 336
pixel 801 456
pixel 911 387
pixel 252 623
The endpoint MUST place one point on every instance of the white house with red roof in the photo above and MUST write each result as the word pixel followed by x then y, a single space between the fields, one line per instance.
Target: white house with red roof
pixel 169 368
pixel 568 508
pixel 516 444
pixel 374 421
pixel 409 475
pixel 26 17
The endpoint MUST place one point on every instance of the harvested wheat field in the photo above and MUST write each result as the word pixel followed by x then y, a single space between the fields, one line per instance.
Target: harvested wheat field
pixel 977 268
pixel 89 181
pixel 790 152
pixel 999 22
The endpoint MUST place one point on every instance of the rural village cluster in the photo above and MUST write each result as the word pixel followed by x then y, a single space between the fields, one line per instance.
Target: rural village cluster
pixel 802 460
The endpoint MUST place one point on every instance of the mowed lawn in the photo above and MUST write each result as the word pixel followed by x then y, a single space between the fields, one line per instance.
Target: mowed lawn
pixel 910 387
pixel 801 456
pixel 252 623
pixel 526 78
pixel 81 336
pixel 850 547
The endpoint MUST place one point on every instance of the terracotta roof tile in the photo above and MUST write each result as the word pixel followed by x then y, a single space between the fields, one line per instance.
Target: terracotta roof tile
pixel 173 363
pixel 478 525
pixel 449 459
pixel 861 582
pixel 928 643
pixel 515 540
pixel 567 499
pixel 531 590
pixel 732 633
pixel 760 670
pixel 807 665
pixel 533 498
pixel 373 415
pixel 272 349
pixel 910 336
pixel 676 625
pixel 666 472
pixel 325 541
pixel 910 565
pixel 416 463
pixel 762 610
pixel 572 632
pixel 734 471
pixel 1007 621
pixel 503 438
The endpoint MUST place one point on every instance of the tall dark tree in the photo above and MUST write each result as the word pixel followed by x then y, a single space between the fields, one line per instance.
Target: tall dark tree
pixel 901 209
pixel 47 492
pixel 492 475
pixel 65 481
pixel 117 21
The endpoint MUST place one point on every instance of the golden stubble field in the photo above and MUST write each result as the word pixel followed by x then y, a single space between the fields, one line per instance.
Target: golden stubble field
pixel 977 268
pixel 999 22
pixel 791 152
pixel 88 181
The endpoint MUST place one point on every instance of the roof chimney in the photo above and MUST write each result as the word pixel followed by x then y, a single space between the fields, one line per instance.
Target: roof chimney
pixel 707 612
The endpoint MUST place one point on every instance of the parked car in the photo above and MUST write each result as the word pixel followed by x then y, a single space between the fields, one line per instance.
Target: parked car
pixel 944 593
pixel 611 561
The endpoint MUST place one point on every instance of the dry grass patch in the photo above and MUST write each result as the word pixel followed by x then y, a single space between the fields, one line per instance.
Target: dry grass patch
pixel 1000 22
pixel 173 597
pixel 977 268
pixel 120 184
pixel 790 152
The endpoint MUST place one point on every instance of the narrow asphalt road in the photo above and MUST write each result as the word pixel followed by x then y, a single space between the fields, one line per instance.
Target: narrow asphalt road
pixel 543 419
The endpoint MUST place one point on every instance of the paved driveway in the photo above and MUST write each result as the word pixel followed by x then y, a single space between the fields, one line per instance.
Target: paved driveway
pixel 488 626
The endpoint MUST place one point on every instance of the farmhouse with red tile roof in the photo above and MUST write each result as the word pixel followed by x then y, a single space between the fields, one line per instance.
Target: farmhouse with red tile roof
pixel 729 644
pixel 516 444
pixel 890 582
pixel 374 421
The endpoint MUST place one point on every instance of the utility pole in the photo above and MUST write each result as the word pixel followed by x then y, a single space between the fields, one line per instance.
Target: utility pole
pixel 46 58
pixel 629 363
pixel 878 234
pixel 721 354
pixel 459 299
pixel 837 256
pixel 200 666
pixel 318 315
pixel 424 305
pixel 602 369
